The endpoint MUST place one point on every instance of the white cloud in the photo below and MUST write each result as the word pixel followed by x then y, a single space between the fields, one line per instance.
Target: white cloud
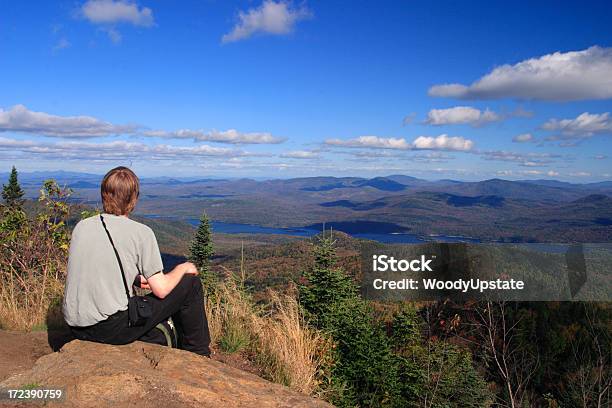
pixel 374 142
pixel 534 163
pixel 234 137
pixel 432 157
pixel 21 119
pixel 600 157
pixel 109 13
pixel 119 149
pixel 230 136
pixel 531 172
pixel 550 173
pixel 583 126
pixel 523 138
pixel 113 12
pixel 461 115
pixel 365 155
pixel 569 76
pixel 271 17
pixel 530 159
pixel 580 174
pixel 6 143
pixel 300 154
pixel 441 142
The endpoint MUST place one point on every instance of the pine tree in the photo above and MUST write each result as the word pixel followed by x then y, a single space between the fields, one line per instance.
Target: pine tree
pixel 327 285
pixel 365 369
pixel 201 251
pixel 12 193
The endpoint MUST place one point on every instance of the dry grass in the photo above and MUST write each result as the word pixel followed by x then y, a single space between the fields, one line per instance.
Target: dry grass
pixel 32 274
pixel 31 310
pixel 291 353
pixel 276 338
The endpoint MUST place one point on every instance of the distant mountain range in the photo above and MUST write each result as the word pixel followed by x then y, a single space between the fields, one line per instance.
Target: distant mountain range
pixel 392 183
pixel 495 209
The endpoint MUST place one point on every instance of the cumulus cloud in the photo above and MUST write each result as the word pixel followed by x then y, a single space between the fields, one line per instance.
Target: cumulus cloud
pixel 461 115
pixel 523 138
pixel 300 154
pixel 230 136
pixel 21 119
pixel 113 12
pixel 107 14
pixel 561 76
pixel 583 126
pixel 272 17
pixel 441 142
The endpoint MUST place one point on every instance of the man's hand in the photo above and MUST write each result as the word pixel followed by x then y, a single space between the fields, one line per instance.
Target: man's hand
pixel 144 284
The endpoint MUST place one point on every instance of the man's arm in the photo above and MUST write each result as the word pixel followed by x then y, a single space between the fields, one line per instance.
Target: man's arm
pixel 161 284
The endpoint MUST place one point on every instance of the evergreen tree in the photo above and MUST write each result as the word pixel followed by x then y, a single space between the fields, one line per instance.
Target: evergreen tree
pixel 326 284
pixel 365 369
pixel 201 251
pixel 12 193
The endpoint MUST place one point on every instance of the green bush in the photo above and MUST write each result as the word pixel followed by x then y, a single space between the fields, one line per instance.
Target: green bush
pixel 365 365
pixel 365 371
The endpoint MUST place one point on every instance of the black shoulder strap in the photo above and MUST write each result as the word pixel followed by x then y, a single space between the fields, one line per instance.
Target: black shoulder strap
pixel 127 291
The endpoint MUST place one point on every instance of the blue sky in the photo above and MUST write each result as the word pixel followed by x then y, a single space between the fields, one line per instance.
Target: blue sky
pixel 283 89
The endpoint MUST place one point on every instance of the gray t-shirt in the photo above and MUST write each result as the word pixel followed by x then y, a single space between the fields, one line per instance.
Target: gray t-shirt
pixel 94 289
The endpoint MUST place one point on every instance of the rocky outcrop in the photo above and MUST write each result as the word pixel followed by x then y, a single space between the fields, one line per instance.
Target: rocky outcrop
pixel 147 375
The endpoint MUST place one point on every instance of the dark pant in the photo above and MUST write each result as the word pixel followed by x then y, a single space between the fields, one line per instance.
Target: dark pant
pixel 185 304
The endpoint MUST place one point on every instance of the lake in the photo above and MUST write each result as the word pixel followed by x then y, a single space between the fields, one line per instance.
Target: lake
pixel 384 232
pixel 380 232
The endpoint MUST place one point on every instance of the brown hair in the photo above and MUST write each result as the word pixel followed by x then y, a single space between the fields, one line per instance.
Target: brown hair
pixel 120 189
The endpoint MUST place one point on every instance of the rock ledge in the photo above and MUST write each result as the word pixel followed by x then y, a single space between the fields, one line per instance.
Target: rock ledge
pixel 147 375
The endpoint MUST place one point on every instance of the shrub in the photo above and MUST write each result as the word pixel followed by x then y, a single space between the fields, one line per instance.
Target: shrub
pixel 33 256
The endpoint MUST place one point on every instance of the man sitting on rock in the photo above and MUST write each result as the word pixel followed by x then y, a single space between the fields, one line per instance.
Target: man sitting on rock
pixel 105 247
